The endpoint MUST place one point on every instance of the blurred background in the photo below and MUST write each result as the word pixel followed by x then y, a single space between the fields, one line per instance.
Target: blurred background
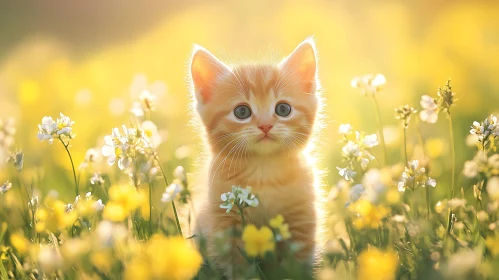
pixel 90 60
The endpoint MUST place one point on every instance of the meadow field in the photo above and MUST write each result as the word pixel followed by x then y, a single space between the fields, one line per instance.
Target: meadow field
pixel 99 157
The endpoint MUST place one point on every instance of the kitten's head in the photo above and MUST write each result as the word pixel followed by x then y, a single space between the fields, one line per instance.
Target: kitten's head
pixel 257 109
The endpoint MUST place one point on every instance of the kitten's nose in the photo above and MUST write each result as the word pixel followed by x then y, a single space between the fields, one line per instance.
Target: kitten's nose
pixel 265 128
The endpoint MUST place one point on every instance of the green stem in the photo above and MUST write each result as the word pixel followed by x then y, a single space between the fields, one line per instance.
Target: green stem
pixel 72 165
pixel 453 173
pixel 381 135
pixel 453 156
pixel 173 202
pixel 405 146
pixel 150 207
pixel 428 201
pixel 241 214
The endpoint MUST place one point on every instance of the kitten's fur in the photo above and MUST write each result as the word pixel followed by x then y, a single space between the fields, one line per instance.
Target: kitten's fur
pixel 280 174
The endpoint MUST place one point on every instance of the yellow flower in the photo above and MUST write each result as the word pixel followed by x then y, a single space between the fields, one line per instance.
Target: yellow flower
pixel 20 243
pixel 278 224
pixel 258 241
pixel 377 265
pixel 493 244
pixel 392 196
pixel 369 215
pixel 115 212
pixel 4 253
pixel 123 199
pixel 138 269
pixel 58 218
pixel 277 221
pixel 102 260
pixel 171 258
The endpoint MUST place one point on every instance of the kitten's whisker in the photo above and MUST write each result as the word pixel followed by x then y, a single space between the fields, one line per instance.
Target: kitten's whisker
pixel 221 151
pixel 227 156
pixel 235 156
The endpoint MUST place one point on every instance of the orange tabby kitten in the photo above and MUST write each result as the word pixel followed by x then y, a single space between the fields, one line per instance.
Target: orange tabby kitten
pixel 258 119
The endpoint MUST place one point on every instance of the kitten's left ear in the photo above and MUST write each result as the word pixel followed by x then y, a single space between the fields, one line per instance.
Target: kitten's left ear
pixel 303 62
pixel 205 70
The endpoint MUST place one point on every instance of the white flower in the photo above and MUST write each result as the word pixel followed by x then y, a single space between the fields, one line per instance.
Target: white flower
pixel 49 128
pixel 431 182
pixel 369 84
pixel 470 169
pixel 456 203
pixel 109 233
pixel 240 197
pixel 151 133
pixel 414 177
pixel 64 124
pixel 98 205
pixel 33 202
pixel 96 179
pixel 245 195
pixel 351 149
pixel 399 219
pixel 148 100
pixel 115 147
pixel 355 193
pixel 373 184
pixel 5 187
pixel 345 129
pixel 370 140
pixel 493 187
pixel 137 109
pixel 49 259
pixel 493 161
pixel 229 200
pixel 346 173
pixel 489 127
pixel 430 109
pixel 179 173
pixel 171 191
pixel 364 162
pixel 91 156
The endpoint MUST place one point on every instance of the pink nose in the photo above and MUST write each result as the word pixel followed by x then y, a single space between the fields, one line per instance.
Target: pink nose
pixel 265 128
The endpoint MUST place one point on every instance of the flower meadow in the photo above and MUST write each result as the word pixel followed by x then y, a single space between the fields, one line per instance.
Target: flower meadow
pixel 385 218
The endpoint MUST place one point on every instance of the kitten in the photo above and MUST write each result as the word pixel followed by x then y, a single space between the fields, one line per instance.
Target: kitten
pixel 258 119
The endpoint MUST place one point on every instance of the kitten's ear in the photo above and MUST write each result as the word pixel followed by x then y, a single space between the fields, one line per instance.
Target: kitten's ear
pixel 205 69
pixel 303 61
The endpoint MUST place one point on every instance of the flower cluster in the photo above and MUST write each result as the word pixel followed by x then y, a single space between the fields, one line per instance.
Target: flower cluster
pixel 432 107
pixel 414 177
pixel 61 128
pixel 281 228
pixel 355 151
pixel 239 197
pixel 485 130
pixel 368 214
pixel 86 207
pixel 369 84
pixel 53 216
pixel 178 186
pixel 123 147
pixel 404 113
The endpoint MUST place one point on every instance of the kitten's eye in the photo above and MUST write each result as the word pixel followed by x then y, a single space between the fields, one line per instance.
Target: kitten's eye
pixel 242 112
pixel 283 109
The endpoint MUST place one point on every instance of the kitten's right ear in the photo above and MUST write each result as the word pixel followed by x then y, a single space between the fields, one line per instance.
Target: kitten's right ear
pixel 205 69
